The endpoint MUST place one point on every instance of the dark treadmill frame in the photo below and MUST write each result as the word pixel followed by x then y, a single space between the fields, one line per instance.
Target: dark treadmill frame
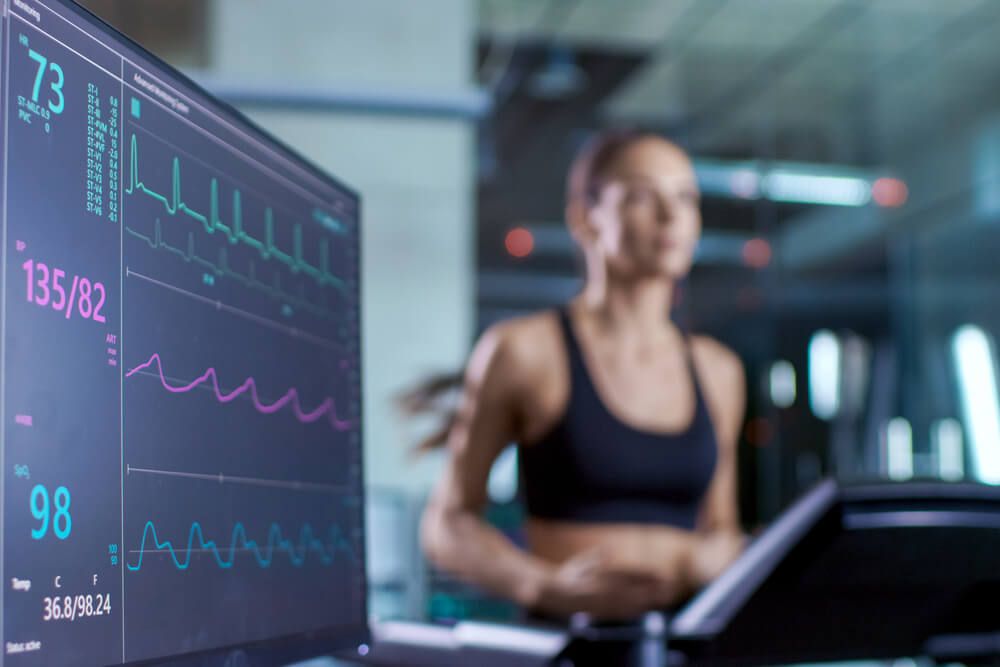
pixel 831 510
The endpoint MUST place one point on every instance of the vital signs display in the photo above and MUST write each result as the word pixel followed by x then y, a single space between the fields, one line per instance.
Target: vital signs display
pixel 180 372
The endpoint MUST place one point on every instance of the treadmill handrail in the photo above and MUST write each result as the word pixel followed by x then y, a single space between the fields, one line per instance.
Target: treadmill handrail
pixel 521 640
pixel 920 519
pixel 700 618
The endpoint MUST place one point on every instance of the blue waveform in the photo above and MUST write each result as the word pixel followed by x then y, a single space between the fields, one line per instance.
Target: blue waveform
pixel 297 552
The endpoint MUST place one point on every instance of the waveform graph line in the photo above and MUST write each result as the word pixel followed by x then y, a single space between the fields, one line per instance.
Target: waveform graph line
pixel 218 304
pixel 222 479
pixel 297 551
pixel 234 231
pixel 325 410
pixel 221 268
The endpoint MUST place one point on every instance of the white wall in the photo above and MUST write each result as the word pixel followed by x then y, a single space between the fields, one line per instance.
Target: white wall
pixel 415 175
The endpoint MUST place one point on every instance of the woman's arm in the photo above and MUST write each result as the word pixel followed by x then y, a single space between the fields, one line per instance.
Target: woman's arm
pixel 454 536
pixel 719 539
pixel 498 382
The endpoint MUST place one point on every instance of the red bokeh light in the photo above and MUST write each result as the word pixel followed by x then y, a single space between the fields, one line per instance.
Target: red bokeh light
pixel 889 192
pixel 519 242
pixel 758 432
pixel 757 253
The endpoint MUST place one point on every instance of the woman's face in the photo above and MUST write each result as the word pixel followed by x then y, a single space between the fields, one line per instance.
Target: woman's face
pixel 646 222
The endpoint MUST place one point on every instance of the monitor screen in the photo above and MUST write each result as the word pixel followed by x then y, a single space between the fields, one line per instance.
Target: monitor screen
pixel 179 347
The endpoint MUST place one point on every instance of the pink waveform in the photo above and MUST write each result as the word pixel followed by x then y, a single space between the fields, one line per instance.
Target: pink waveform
pixel 291 397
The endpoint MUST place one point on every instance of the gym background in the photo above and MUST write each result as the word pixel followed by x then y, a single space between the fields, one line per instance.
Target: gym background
pixel 849 158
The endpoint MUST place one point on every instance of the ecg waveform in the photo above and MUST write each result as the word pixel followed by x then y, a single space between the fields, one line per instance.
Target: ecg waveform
pixel 212 223
pixel 297 552
pixel 325 409
pixel 222 268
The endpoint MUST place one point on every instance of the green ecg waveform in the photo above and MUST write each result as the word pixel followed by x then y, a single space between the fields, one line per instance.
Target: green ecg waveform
pixel 212 223
pixel 222 268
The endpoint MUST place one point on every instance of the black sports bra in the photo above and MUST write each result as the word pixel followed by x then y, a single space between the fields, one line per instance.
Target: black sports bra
pixel 591 467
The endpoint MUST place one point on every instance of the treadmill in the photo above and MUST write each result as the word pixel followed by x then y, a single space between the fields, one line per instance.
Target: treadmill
pixel 870 571
pixel 858 572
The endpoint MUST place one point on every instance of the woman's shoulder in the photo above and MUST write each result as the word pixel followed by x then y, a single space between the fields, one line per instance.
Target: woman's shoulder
pixel 713 356
pixel 526 327
pixel 720 373
pixel 525 342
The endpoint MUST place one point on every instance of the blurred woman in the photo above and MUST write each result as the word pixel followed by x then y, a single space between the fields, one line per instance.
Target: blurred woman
pixel 627 426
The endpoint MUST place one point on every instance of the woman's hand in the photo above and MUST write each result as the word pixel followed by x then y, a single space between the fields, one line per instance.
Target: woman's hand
pixel 712 554
pixel 593 582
